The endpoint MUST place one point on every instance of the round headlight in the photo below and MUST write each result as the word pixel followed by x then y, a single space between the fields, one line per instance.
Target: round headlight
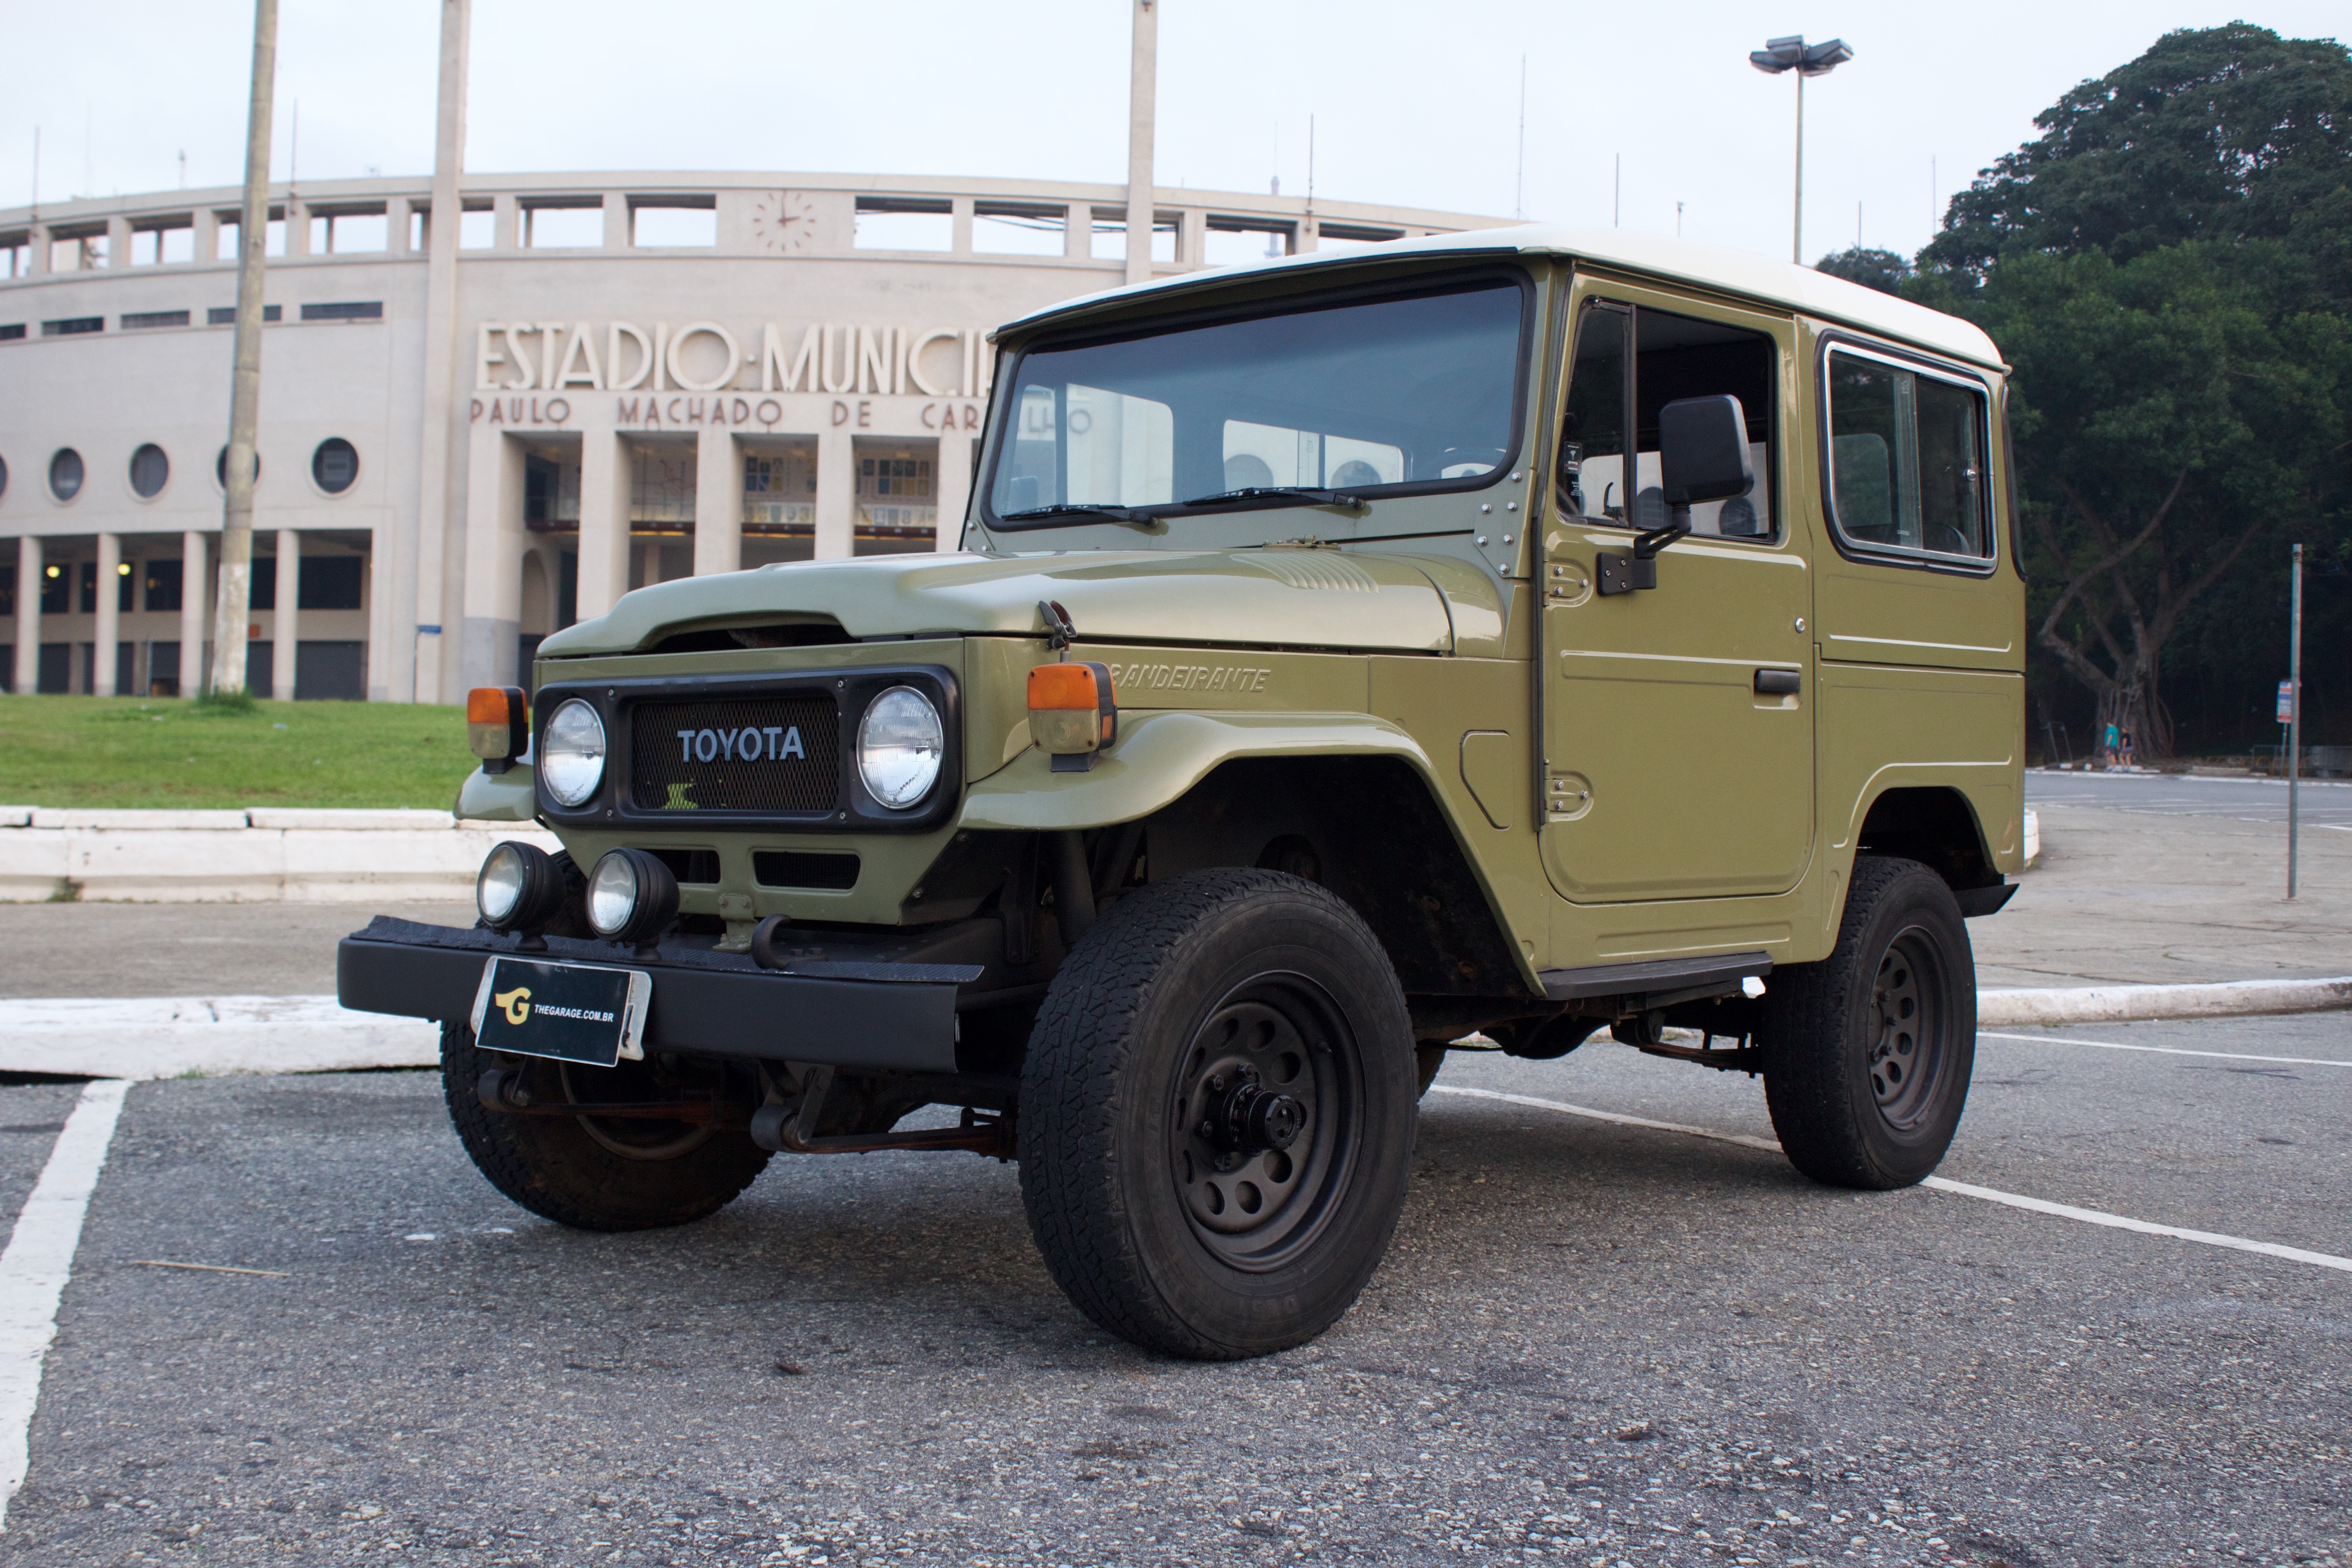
pixel 500 887
pixel 571 753
pixel 900 744
pixel 632 896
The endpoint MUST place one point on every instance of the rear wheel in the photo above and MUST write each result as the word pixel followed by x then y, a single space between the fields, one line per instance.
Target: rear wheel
pixel 589 1171
pixel 1867 1054
pixel 1217 1114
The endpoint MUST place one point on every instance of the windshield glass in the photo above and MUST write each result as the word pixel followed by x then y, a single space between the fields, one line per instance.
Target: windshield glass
pixel 1389 395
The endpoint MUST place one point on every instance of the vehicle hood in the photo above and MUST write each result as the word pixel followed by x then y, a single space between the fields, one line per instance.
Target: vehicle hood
pixel 1285 597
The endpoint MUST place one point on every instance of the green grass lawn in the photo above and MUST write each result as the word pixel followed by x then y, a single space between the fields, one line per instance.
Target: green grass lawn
pixel 154 752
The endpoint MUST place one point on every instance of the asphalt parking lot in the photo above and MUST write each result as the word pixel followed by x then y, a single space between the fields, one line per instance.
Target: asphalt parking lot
pixel 1592 1341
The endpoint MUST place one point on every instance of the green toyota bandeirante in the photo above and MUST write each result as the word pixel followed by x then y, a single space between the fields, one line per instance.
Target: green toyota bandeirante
pixel 1499 639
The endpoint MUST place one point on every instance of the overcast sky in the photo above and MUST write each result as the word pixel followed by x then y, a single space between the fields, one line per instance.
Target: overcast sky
pixel 1412 103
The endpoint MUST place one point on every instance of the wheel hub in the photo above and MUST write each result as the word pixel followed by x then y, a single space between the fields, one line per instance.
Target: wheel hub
pixel 1249 1119
pixel 1907 1038
pixel 1261 1131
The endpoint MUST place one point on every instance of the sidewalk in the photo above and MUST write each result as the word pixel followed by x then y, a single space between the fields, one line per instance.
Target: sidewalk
pixel 2121 896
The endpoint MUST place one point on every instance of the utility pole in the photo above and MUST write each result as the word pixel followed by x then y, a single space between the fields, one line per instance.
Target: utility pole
pixel 1519 195
pixel 2294 713
pixel 236 600
pixel 1142 94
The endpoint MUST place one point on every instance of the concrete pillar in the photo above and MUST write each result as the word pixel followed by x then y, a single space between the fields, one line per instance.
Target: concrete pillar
pixel 836 495
pixel 505 231
pixel 28 614
pixel 1142 93
pixel 418 574
pixel 1078 232
pixel 649 572
pixel 718 504
pixel 495 540
pixel 951 479
pixel 105 680
pixel 38 237
pixel 118 242
pixel 297 228
pixel 195 602
pixel 603 521
pixel 617 224
pixel 285 631
pixel 959 226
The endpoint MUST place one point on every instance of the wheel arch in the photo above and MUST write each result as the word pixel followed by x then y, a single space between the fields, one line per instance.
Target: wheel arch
pixel 1936 825
pixel 1374 829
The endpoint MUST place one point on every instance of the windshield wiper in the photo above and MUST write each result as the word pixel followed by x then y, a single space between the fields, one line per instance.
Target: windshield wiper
pixel 1282 492
pixel 1130 516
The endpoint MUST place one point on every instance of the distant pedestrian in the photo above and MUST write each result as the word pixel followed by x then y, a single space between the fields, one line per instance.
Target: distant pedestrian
pixel 2128 749
pixel 2109 747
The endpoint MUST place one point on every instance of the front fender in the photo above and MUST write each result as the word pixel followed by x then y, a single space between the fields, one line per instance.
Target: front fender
pixel 1160 756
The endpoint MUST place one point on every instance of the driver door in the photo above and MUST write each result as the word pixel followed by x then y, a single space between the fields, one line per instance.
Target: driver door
pixel 1678 761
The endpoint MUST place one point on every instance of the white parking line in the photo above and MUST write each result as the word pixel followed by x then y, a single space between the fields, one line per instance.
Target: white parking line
pixel 33 1270
pixel 2159 1050
pixel 1989 1195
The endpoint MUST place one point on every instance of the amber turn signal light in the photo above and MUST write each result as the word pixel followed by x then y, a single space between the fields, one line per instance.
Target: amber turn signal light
pixel 497 725
pixel 1073 712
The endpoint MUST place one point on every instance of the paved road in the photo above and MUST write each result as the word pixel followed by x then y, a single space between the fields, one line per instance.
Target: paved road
pixel 2322 802
pixel 1591 1342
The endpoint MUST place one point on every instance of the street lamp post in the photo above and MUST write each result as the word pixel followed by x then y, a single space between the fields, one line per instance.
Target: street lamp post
pixel 1779 55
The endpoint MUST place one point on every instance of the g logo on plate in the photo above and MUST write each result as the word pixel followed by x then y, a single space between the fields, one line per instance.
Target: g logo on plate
pixel 515 1003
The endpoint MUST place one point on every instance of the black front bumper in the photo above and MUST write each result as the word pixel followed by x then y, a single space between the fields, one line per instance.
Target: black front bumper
pixel 719 1004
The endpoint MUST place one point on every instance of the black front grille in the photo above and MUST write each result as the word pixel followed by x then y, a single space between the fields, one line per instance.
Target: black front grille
pixel 779 754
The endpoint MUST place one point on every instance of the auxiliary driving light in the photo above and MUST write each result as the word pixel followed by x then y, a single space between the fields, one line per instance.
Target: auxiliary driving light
pixel 497 725
pixel 571 753
pixel 900 744
pixel 522 887
pixel 1072 714
pixel 632 897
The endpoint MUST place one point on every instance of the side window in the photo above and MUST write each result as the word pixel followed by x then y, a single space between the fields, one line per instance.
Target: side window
pixel 1674 357
pixel 1907 454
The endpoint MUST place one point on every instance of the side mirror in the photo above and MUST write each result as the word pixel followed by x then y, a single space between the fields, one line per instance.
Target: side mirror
pixel 1703 451
pixel 1702 457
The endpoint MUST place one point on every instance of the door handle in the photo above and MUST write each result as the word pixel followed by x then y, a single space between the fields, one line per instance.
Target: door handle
pixel 1778 682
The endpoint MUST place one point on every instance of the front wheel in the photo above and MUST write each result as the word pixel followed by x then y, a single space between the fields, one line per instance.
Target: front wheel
pixel 589 1171
pixel 1217 1114
pixel 1867 1054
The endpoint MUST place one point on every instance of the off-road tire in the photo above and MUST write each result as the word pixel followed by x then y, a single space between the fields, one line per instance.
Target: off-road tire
pixel 1867 1054
pixel 1168 995
pixel 557 1167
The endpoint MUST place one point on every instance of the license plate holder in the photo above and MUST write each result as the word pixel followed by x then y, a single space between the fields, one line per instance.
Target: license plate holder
pixel 593 1013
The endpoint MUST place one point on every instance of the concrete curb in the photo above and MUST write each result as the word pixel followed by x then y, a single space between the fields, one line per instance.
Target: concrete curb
pixel 263 855
pixel 2123 1004
pixel 171 1036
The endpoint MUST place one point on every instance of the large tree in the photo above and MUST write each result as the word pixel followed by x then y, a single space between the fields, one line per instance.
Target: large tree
pixel 2169 269
pixel 2217 133
pixel 2168 412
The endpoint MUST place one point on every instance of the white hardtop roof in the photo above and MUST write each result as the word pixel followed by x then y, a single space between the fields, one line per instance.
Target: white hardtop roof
pixel 1715 267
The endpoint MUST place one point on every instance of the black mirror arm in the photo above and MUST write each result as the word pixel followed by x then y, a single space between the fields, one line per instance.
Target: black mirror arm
pixel 1678 526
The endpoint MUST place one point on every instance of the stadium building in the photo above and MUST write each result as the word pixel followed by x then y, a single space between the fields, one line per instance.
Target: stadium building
pixel 607 381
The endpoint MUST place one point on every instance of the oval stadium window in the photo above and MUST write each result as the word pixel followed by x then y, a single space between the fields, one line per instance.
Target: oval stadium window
pixel 149 469
pixel 220 467
pixel 64 474
pixel 335 464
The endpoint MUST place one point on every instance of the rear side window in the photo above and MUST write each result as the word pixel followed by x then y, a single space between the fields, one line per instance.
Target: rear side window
pixel 1907 459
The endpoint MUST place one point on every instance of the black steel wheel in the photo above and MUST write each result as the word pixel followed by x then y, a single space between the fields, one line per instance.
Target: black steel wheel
pixel 1217 1113
pixel 1867 1054
pixel 596 1172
